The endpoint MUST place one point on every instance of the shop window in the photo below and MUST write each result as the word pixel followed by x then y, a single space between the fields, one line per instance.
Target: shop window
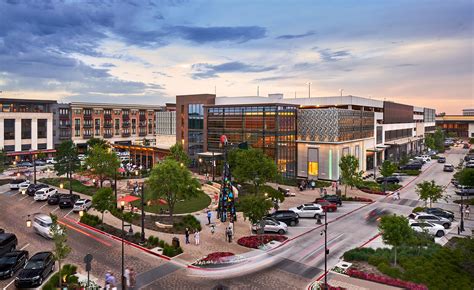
pixel 313 168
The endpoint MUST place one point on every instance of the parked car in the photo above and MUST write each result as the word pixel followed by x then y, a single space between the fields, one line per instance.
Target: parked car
pixel 470 164
pixel 448 168
pixel 272 225
pixel 2 231
pixel 40 162
pixel 54 199
pixel 333 198
pixel 430 228
pixel 326 205
pixel 287 216
pixel 400 175
pixel 33 188
pixel 286 192
pixel 421 159
pixel 11 262
pixel 310 210
pixel 454 182
pixel 22 187
pixel 68 200
pixel 426 217
pixel 469 157
pixel 36 270
pixel 464 190
pixel 8 243
pixel 51 161
pixel 24 164
pixel 441 159
pixel 440 212
pixel 82 204
pixel 43 193
pixel 42 225
pixel 15 184
pixel 426 158
pixel 388 179
pixel 411 166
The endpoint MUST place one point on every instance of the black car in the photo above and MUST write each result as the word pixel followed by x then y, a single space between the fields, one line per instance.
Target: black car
pixel 8 243
pixel 36 270
pixel 32 188
pixel 442 159
pixel 411 166
pixel 440 212
pixel 333 199
pixel 287 216
pixel 389 179
pixel 11 262
pixel 54 199
pixel 68 200
pixel 468 157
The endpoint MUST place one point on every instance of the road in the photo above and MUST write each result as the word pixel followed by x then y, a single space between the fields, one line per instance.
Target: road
pixel 291 266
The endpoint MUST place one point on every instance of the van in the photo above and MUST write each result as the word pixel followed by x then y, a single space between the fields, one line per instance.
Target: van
pixel 8 243
pixel 42 225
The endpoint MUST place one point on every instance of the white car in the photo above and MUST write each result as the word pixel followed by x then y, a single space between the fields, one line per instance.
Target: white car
pixel 272 225
pixel 51 161
pixel 22 187
pixel 82 204
pixel 430 228
pixel 426 217
pixel 81 157
pixel 15 184
pixel 309 210
pixel 427 158
pixel 44 193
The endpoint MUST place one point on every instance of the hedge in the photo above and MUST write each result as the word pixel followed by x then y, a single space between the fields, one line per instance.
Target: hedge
pixel 72 281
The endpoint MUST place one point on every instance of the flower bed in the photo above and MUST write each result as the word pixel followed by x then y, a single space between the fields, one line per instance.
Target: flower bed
pixel 368 190
pixel 319 285
pixel 385 280
pixel 255 242
pixel 356 198
pixel 218 258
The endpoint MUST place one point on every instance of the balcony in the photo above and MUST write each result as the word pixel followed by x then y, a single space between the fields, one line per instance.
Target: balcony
pixel 141 134
pixel 87 136
pixel 125 125
pixel 107 116
pixel 108 125
pixel 87 125
pixel 126 134
pixel 107 135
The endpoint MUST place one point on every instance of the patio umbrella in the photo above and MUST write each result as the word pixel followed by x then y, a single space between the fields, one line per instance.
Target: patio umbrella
pixel 128 198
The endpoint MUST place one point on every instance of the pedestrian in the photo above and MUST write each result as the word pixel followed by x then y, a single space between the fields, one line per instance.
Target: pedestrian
pixel 133 278
pixel 126 274
pixel 213 229
pixel 113 282
pixel 107 280
pixel 325 192
pixel 186 235
pixel 209 215
pixel 321 191
pixel 333 185
pixel 196 237
pixel 229 234
pixel 466 210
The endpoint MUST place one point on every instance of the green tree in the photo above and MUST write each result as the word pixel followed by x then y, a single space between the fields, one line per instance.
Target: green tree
pixel 254 207
pixel 102 162
pixel 104 200
pixel 252 166
pixel 429 190
pixel 386 170
pixel 91 143
pixel 178 154
pixel 3 158
pixel 429 141
pixel 395 231
pixel 350 174
pixel 61 249
pixel 438 137
pixel 466 177
pixel 172 182
pixel 67 161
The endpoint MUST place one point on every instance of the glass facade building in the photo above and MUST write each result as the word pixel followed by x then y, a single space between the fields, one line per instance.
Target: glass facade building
pixel 195 129
pixel 271 128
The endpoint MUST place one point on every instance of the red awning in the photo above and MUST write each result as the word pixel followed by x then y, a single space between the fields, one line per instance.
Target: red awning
pixel 129 198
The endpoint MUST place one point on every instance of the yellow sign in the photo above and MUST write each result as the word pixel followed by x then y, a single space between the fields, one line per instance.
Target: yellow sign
pixel 313 168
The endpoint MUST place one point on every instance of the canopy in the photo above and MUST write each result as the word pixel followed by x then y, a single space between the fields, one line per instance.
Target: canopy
pixel 129 198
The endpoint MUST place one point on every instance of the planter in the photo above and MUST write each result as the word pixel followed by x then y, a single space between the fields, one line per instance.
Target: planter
pixel 256 241
pixel 163 226
pixel 385 280
pixel 218 258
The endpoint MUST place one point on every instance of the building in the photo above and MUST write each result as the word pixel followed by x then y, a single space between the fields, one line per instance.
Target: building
pixel 122 124
pixel 327 128
pixel 26 126
pixel 457 125
pixel 62 117
pixel 468 112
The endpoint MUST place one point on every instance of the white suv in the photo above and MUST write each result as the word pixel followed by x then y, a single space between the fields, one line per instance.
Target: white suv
pixel 44 193
pixel 82 204
pixel 426 217
pixel 430 228
pixel 308 210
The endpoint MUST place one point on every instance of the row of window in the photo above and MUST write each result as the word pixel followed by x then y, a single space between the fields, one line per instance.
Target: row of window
pixel 26 129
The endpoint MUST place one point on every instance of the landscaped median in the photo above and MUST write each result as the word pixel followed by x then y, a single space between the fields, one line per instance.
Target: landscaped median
pixel 255 242
pixel 77 186
pixel 375 188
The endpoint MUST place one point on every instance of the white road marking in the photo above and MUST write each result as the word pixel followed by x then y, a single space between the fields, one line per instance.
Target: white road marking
pixel 23 197
pixel 6 287
pixel 33 201
pixel 43 205
pixel 55 209
pixel 68 213
pixel 24 247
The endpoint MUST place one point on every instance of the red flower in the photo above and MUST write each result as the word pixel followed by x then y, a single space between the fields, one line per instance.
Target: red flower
pixel 256 241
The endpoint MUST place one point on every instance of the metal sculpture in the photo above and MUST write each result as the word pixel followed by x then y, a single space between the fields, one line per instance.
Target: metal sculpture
pixel 226 207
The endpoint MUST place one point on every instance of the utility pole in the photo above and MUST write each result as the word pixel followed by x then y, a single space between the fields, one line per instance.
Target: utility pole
pixel 143 213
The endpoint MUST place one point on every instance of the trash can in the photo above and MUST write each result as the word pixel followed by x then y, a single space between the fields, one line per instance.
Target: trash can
pixel 175 242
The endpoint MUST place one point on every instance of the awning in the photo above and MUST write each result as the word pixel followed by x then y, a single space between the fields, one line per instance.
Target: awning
pixel 128 198
pixel 403 141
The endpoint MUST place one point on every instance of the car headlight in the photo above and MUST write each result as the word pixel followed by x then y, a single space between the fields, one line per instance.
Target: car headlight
pixel 36 277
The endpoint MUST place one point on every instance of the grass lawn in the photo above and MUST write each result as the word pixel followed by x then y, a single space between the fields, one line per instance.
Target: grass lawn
pixel 77 186
pixel 199 202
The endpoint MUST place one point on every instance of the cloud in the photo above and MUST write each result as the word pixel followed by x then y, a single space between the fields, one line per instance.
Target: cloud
pixel 329 55
pixel 293 36
pixel 206 70
pixel 275 78
pixel 161 74
pixel 108 64
pixel 238 34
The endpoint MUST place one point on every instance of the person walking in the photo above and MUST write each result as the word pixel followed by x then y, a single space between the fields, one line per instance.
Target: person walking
pixel 196 237
pixel 186 235
pixel 209 215
pixel 466 211
pixel 133 278
pixel 107 280
pixel 113 282
pixel 325 192
pixel 229 234
pixel 333 185
pixel 213 229
pixel 127 277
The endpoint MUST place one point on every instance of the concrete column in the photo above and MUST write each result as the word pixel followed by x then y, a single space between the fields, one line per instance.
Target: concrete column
pixel 49 133
pixel 17 134
pixel 34 134
pixel 2 133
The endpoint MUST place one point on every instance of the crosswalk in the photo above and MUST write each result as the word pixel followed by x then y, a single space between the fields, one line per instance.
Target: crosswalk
pixel 403 201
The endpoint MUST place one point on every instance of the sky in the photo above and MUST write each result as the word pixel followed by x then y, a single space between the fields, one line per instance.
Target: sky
pixel 147 52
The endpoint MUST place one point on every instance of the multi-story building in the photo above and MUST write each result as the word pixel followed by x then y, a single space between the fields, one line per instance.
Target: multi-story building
pixel 61 123
pixel 26 126
pixel 117 123
pixel 468 112
pixel 327 128
pixel 457 125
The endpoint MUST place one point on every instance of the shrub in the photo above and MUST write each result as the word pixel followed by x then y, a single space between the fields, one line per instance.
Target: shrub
pixel 376 260
pixel 418 209
pixel 190 222
pixel 385 268
pixel 90 219
pixel 171 251
pixel 153 241
pixel 358 254
pixel 71 281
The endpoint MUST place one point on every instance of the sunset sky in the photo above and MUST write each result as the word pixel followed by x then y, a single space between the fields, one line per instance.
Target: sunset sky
pixel 144 51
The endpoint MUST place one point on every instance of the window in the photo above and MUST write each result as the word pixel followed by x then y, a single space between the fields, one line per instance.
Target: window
pixel 25 128
pixel 357 152
pixel 313 168
pixel 345 151
pixel 42 128
pixel 117 126
pixel 9 129
pixel 150 126
pixel 134 126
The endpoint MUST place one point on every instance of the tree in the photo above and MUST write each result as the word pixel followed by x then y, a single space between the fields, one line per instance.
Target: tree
pixel 429 190
pixel 438 137
pixel 350 174
pixel 104 200
pixel 466 177
pixel 386 170
pixel 178 154
pixel 252 166
pixel 67 161
pixel 254 207
pixel 429 141
pixel 3 157
pixel 102 162
pixel 395 231
pixel 172 182
pixel 61 249
pixel 91 143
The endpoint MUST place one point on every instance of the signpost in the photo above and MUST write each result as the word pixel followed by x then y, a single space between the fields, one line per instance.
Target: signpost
pixel 88 259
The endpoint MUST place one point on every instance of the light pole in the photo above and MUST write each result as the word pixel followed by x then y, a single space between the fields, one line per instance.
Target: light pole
pixel 130 232
pixel 341 90
pixel 200 162
pixel 309 89
pixel 213 167
pixel 34 166
pixel 326 251
pixel 143 213
pixel 461 224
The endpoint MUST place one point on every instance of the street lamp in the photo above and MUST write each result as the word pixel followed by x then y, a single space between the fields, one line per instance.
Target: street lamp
pixel 326 251
pixel 28 222
pixel 61 185
pixel 130 232
pixel 81 213
pixel 143 213
pixel 34 165
pixel 18 174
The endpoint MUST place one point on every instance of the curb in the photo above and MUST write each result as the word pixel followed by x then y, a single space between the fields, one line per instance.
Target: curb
pixel 119 239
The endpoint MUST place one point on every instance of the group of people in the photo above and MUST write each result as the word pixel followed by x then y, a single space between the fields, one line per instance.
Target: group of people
pixel 197 238
pixel 130 279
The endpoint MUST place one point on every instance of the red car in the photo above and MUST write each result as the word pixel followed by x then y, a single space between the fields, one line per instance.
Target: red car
pixel 326 205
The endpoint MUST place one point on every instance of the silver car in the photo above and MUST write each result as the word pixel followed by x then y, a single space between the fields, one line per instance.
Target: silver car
pixel 426 217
